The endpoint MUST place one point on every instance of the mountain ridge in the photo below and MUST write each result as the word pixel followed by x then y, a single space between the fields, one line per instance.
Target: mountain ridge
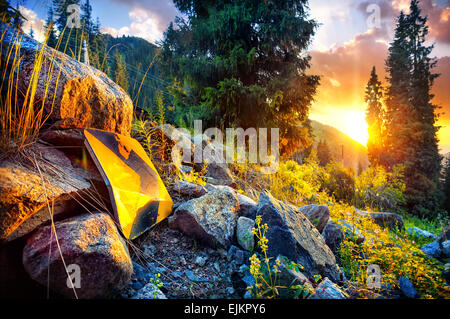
pixel 341 146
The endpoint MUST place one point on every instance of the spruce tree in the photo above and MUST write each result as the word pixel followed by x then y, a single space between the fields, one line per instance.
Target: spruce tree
pixel 374 118
pixel 86 19
pixel 423 170
pixel 323 153
pixel 97 48
pixel 244 63
pixel 49 27
pixel 446 183
pixel 8 13
pixel 18 19
pixel 120 71
pixel 410 119
pixel 71 36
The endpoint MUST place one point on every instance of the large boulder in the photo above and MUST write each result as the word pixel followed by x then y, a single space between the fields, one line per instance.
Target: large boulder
pixel 333 236
pixel 407 287
pixel 30 184
pixel 247 206
pixel 318 215
pixel 432 250
pixel 76 95
pixel 90 242
pixel 212 163
pixel 211 218
pixel 420 233
pixel 292 235
pixel 388 220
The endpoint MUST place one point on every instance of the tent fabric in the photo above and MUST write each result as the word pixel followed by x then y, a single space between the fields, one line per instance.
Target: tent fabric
pixel 139 197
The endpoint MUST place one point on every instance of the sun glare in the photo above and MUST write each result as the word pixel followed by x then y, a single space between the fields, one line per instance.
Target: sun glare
pixel 348 121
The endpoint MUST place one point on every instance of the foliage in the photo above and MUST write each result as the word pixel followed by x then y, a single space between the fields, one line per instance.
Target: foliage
pixel 245 63
pixel 8 13
pixel 157 283
pixel 120 71
pixel 323 153
pixel 338 181
pixel 379 189
pixel 21 115
pixel 397 254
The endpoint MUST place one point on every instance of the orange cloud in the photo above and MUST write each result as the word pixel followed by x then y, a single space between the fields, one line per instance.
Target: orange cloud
pixel 345 72
pixel 350 66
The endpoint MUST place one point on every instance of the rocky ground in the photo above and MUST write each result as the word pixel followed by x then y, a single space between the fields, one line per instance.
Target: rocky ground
pixel 55 212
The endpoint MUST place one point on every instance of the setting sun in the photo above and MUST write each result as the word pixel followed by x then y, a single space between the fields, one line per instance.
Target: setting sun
pixel 349 121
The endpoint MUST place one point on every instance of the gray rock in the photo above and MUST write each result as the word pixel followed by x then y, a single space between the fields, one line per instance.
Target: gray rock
pixel 333 236
pixel 237 255
pixel 416 231
pixel 389 220
pixel 318 215
pixel 23 196
pixel 90 241
pixel 244 233
pixel 192 277
pixel 230 290
pixel 407 287
pixel 149 291
pixel 432 250
pixel 351 231
pixel 247 206
pixel 199 260
pixel 211 218
pixel 445 249
pixel 188 189
pixel 291 234
pixel 445 235
pixel 327 290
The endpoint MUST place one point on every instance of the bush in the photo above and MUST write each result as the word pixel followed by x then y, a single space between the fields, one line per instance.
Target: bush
pixel 379 189
pixel 339 182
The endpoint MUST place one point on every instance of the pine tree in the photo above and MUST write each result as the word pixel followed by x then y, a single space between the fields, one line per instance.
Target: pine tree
pixel 86 19
pixel 31 33
pixel 7 12
pixel 97 48
pixel 17 20
pixel 71 36
pixel 120 73
pixel 323 153
pixel 49 27
pixel 423 170
pixel 374 118
pixel 398 108
pixel 410 119
pixel 244 64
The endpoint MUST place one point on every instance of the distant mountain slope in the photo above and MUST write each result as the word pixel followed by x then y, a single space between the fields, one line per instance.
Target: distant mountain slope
pixel 339 143
pixel 138 55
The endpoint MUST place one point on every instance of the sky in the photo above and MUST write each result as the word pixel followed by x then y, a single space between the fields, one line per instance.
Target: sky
pixel 352 36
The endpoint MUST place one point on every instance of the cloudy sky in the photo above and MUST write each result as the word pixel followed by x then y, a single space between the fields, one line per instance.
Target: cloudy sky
pixel 350 40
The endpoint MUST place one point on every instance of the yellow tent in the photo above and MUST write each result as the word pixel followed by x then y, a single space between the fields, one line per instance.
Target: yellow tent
pixel 138 195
